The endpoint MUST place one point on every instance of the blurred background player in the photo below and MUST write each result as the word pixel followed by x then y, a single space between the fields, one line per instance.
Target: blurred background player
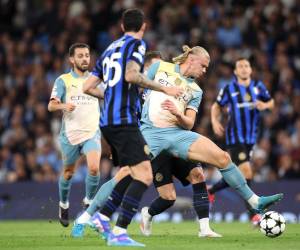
pixel 80 133
pixel 166 122
pixel 119 67
pixel 245 99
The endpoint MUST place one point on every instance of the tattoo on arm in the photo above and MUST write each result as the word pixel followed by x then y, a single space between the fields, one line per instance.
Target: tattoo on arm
pixel 133 75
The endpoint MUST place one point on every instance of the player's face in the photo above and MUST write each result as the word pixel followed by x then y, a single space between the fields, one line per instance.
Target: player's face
pixel 243 69
pixel 198 65
pixel 81 59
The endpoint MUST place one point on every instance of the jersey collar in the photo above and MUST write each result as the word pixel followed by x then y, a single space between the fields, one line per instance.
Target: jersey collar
pixel 177 70
pixel 75 75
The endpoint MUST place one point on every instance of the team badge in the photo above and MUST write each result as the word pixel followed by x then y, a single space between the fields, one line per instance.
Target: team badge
pixel 159 177
pixel 146 150
pixel 242 156
pixel 247 97
pixel 177 81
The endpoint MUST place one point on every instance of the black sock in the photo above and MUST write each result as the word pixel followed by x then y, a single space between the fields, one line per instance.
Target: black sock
pixel 159 205
pixel 251 212
pixel 130 203
pixel 200 200
pixel 221 184
pixel 115 199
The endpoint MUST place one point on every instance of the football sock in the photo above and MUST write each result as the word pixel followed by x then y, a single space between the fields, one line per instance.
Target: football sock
pixel 64 187
pixel 116 197
pixel 233 176
pixel 91 185
pixel 200 200
pixel 251 212
pixel 221 184
pixel 204 225
pixel 101 196
pixel 159 205
pixel 130 203
pixel 84 218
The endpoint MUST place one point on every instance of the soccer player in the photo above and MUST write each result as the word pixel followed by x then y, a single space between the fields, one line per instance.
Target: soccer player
pixel 119 67
pixel 164 167
pixel 166 122
pixel 245 98
pixel 79 133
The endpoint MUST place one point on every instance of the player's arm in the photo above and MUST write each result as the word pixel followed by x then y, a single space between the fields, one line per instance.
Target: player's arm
pixel 55 105
pixel 90 87
pixel 185 120
pixel 133 75
pixel 216 113
pixel 57 94
pixel 260 105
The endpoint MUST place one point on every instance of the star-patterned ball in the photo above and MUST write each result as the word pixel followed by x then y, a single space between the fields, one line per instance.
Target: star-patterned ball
pixel 272 224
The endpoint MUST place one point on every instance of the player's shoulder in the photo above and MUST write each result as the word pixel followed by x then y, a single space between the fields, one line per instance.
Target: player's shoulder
pixel 196 88
pixel 65 77
pixel 166 66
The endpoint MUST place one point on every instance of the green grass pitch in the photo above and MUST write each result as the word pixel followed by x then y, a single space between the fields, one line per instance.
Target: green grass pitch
pixel 44 235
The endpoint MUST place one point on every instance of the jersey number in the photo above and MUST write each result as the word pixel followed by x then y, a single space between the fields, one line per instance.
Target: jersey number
pixel 111 64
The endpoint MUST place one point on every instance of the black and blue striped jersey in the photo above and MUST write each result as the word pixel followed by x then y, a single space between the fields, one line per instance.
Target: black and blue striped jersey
pixel 243 120
pixel 121 99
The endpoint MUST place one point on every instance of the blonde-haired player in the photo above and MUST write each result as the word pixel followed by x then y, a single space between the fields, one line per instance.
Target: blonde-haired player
pixel 166 122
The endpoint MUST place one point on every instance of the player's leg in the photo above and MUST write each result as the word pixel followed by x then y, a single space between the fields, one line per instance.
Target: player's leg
pixel 200 201
pixel 70 154
pixel 204 150
pixel 101 219
pixel 99 199
pixel 92 150
pixel 132 151
pixel 163 182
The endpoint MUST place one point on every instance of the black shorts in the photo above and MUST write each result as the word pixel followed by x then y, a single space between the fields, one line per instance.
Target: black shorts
pixel 240 153
pixel 127 143
pixel 165 166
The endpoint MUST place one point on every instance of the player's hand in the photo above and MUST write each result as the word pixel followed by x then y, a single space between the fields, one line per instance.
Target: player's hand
pixel 173 91
pixel 261 105
pixel 170 106
pixel 218 128
pixel 69 107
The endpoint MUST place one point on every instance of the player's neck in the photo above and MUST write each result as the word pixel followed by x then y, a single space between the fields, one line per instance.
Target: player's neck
pixel 136 35
pixel 245 82
pixel 79 72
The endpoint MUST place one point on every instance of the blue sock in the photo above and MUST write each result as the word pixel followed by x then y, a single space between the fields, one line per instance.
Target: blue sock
pixel 233 176
pixel 91 185
pixel 101 196
pixel 64 187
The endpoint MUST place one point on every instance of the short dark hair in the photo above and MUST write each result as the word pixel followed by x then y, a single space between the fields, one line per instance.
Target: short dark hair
pixel 132 20
pixel 241 59
pixel 152 54
pixel 77 45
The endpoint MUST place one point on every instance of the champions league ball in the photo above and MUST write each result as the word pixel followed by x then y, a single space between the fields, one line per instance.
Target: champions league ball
pixel 272 224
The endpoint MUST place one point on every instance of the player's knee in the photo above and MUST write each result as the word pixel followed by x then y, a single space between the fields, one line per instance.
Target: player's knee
pixel 171 196
pixel 224 159
pixel 93 169
pixel 196 176
pixel 68 173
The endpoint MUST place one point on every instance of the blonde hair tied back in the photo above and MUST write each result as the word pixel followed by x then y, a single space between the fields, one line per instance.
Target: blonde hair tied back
pixel 187 50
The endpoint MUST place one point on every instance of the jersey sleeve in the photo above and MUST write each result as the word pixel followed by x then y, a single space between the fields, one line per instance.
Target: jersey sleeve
pixel 153 70
pixel 58 90
pixel 263 93
pixel 137 53
pixel 194 103
pixel 223 97
pixel 98 70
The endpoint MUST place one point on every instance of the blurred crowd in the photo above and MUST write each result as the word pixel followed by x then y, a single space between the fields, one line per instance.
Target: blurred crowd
pixel 34 40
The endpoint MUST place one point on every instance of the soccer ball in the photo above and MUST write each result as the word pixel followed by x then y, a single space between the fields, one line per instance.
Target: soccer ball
pixel 272 224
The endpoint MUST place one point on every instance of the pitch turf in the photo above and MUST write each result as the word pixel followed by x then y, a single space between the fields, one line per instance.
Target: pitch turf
pixel 44 235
